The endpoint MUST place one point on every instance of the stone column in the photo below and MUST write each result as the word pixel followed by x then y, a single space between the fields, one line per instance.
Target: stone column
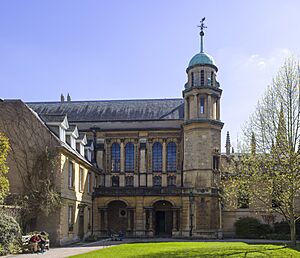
pixel 186 109
pixel 122 156
pixel 105 226
pixel 151 221
pixel 100 153
pixel 128 219
pixel 142 155
pixel 196 106
pixel 218 109
pixel 164 156
pixel 208 106
pixel 174 228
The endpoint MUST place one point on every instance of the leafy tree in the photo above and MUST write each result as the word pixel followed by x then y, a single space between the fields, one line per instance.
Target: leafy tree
pixel 4 149
pixel 269 172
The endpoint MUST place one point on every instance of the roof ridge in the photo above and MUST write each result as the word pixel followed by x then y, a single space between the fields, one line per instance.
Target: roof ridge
pixel 108 100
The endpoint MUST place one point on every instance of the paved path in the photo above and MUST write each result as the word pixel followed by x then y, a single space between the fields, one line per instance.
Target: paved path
pixel 62 252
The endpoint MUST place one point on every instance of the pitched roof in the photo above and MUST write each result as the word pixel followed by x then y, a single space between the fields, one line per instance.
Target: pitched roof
pixel 114 110
pixel 48 118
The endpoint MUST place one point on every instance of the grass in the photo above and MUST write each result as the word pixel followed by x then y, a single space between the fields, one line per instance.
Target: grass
pixel 192 249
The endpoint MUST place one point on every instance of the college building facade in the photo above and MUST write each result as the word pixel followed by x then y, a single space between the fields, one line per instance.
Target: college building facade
pixel 146 168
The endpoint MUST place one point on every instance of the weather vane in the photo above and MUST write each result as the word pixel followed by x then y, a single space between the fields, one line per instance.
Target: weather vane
pixel 201 26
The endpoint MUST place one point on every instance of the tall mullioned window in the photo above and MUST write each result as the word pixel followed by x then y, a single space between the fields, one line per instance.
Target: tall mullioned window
pixel 129 157
pixel 115 157
pixel 171 156
pixel 157 157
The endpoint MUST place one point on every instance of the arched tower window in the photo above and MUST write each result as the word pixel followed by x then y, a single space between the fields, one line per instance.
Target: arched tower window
pixel 157 157
pixel 212 79
pixel 115 157
pixel 171 157
pixel 202 77
pixel 129 157
pixel 192 79
pixel 202 110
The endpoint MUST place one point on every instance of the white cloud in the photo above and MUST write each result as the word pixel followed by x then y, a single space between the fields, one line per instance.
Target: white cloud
pixel 244 78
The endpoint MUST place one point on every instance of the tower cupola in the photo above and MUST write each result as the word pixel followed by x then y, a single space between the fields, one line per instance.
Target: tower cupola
pixel 202 91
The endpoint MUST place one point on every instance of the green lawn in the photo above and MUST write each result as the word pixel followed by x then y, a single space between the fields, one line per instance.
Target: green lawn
pixel 192 249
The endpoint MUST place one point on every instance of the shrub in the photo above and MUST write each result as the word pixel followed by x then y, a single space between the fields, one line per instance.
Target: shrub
pixel 248 227
pixel 10 234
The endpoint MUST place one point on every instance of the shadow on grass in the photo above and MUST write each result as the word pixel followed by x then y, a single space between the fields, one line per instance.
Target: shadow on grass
pixel 211 253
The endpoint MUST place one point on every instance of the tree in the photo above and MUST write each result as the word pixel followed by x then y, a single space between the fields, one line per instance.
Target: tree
pixel 33 162
pixel 4 184
pixel 269 172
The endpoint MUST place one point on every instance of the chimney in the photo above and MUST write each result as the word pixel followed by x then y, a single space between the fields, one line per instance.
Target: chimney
pixel 228 145
pixel 68 97
pixel 62 98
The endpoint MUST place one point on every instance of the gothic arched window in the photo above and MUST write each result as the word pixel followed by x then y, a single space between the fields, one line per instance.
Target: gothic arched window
pixel 202 77
pixel 129 157
pixel 157 157
pixel 115 157
pixel 171 157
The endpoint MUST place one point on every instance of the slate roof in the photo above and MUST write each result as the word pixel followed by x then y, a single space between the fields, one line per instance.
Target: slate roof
pixel 47 118
pixel 114 110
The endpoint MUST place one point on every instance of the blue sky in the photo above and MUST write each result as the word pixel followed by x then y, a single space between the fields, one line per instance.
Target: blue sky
pixel 140 49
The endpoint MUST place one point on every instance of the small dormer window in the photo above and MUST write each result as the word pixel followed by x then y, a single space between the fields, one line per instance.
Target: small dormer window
pixel 62 134
pixel 73 142
pixel 202 77
pixel 81 149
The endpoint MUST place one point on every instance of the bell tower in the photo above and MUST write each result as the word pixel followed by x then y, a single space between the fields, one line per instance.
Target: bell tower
pixel 202 125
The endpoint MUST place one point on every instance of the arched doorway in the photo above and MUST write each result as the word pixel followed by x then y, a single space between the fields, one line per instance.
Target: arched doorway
pixel 117 216
pixel 163 218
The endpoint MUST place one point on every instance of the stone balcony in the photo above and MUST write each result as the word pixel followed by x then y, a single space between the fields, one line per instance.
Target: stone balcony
pixel 152 191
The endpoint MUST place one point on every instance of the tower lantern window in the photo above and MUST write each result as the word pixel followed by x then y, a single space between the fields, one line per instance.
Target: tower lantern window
pixel 202 77
pixel 192 79
pixel 202 105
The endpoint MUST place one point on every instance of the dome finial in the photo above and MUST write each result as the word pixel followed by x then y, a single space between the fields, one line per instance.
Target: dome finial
pixel 201 26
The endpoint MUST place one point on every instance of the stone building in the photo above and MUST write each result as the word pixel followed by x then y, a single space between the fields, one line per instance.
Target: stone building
pixel 74 175
pixel 159 159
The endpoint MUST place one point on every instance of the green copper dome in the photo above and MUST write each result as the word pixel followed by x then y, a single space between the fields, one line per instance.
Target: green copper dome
pixel 202 59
